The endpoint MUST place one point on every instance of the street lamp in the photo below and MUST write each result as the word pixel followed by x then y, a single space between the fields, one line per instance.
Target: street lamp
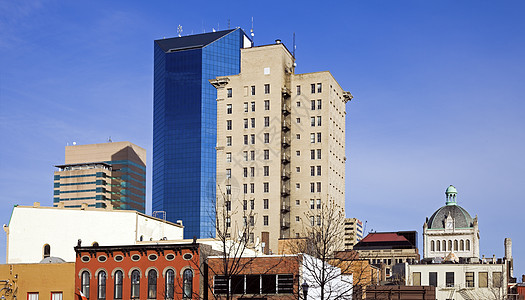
pixel 305 287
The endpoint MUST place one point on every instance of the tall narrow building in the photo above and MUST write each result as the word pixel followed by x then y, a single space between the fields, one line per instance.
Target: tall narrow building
pixel 184 124
pixel 280 145
pixel 102 175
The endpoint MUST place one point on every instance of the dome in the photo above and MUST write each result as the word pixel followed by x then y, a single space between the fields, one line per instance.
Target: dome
pixel 451 190
pixel 462 218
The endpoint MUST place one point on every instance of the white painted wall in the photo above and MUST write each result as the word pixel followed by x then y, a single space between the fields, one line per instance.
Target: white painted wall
pixel 30 228
pixel 339 287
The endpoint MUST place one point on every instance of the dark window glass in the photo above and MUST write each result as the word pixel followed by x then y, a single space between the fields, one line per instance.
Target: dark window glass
pixel 101 285
pixel 85 277
pixel 152 284
pixel 268 284
pixel 118 285
pixel 220 285
pixel 285 284
pixel 432 278
pixel 449 277
pixel 47 250
pixel 253 284
pixel 135 284
pixel 187 284
pixel 170 284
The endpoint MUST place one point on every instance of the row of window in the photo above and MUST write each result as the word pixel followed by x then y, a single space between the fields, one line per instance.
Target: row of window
pixel 253 284
pixel 134 284
pixel 314 87
pixel 250 155
pixel 483 279
pixel 250 139
pixel 315 187
pixel 250 106
pixel 461 245
pixel 34 296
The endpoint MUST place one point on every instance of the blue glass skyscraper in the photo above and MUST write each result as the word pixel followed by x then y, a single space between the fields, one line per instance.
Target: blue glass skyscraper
pixel 185 124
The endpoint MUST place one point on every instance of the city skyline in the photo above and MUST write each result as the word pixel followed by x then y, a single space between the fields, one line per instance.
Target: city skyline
pixel 436 89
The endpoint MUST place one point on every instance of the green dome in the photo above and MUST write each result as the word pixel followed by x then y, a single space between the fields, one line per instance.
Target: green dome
pixel 451 190
pixel 461 217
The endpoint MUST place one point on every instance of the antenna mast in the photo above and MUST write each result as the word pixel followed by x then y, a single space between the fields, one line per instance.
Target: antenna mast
pixel 179 29
pixel 293 51
pixel 252 34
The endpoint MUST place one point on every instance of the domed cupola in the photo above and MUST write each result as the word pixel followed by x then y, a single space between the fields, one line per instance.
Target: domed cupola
pixel 461 218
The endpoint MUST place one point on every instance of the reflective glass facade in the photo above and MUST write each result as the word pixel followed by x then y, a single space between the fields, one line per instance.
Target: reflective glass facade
pixel 184 128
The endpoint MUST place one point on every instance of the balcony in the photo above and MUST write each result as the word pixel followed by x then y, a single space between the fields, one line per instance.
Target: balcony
pixel 285 192
pixel 286 126
pixel 285 225
pixel 285 159
pixel 285 208
pixel 285 91
pixel 286 110
pixel 286 142
pixel 285 175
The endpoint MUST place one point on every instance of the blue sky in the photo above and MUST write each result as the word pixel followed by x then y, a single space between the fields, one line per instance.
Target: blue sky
pixel 437 85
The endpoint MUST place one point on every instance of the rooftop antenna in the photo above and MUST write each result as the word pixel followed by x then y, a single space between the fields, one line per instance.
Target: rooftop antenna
pixel 228 23
pixel 294 47
pixel 179 29
pixel 252 34
pixel 109 139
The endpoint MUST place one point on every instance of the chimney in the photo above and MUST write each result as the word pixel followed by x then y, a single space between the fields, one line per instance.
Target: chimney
pixel 508 248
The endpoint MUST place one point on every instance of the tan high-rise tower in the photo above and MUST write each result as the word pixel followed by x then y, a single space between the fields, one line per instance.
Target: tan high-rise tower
pixel 280 145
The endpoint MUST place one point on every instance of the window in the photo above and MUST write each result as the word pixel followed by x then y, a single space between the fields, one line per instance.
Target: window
pixel 245 172
pixel 312 220
pixel 298 105
pixel 496 279
pixel 312 137
pixel 297 185
pixel 318 137
pixel 319 121
pixel 228 157
pixel 266 170
pixel 253 90
pixel 118 285
pixel 319 222
pixel 152 284
pixel 312 171
pixel 245 188
pixel 229 91
pixel 318 187
pixel 266 104
pixel 312 88
pixel 252 138
pixel 252 221
pixel 228 205
pixel 319 88
pixel 318 203
pixel 312 203
pixel 101 294
pixel 267 88
pixel 483 281
pixel 265 203
pixel 252 188
pixel 135 284
pixel 252 204
pixel 245 204
pixel 229 109
pixel 298 136
pixel 297 202
pixel 432 279
pixel 312 187
pixel 298 90
pixel 285 284
pixel 34 296
pixel 438 246
pixel 298 120
pixel 468 245
pixel 252 155
pixel 266 138
pixel 228 173
pixel 319 104
pixel 228 189
pixel 245 139
pixel 318 170
pixel 228 222
pixel 170 284
pixel 298 153
pixel 47 250
pixel 84 284
pixel 312 121
pixel 297 219
pixel 245 122
pixel 444 243
pixel 266 121
pixel 432 246
pixel 228 124
pixel 187 284
pixel 469 279
pixel 252 171
pixel 228 140
pixel 449 245
pixel 298 169
pixel 462 245
pixel 266 154
pixel 265 220
pixel 245 106
pixel 455 245
pixel 449 279
pixel 266 187
pixel 253 106
pixel 416 276
pixel 56 296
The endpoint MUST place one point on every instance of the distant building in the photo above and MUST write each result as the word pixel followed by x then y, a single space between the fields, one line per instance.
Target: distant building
pixel 389 292
pixel 185 124
pixel 53 280
pixel 35 233
pixel 451 229
pixel 280 145
pixel 386 249
pixel 353 232
pixel 102 174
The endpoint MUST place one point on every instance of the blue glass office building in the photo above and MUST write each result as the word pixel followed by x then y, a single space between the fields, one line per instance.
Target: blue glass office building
pixel 185 124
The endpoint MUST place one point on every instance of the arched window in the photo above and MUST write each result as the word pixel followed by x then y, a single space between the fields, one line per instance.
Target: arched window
pixel 102 285
pixel 118 285
pixel 462 245
pixel 432 246
pixel 135 284
pixel 455 245
pixel 47 250
pixel 170 284
pixel 468 245
pixel 449 245
pixel 152 284
pixel 444 245
pixel 187 284
pixel 438 244
pixel 84 283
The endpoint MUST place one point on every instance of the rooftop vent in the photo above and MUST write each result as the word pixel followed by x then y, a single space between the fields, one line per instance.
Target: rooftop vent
pixel 277 41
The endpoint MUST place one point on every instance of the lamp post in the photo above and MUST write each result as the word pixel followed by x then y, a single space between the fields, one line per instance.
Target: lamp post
pixel 305 287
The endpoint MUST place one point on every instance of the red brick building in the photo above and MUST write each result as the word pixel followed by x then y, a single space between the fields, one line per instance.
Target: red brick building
pixel 152 271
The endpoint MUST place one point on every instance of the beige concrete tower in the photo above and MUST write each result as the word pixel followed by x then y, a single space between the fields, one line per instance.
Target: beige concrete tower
pixel 280 145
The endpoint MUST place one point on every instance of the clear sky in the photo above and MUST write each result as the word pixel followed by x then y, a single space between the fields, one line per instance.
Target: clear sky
pixel 438 95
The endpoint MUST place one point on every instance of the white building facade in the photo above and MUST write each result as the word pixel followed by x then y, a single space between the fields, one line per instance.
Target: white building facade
pixel 36 232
